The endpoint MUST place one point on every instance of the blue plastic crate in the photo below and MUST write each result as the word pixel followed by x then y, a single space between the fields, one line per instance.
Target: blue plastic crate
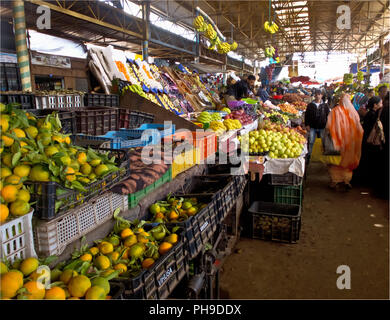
pixel 170 130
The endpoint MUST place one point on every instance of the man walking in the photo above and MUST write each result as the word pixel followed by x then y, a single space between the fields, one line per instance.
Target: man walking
pixel 315 119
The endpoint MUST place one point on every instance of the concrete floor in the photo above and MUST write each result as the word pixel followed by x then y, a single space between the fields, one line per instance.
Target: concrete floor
pixel 337 229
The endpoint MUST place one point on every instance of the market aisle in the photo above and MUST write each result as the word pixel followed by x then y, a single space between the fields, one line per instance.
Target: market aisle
pixel 337 229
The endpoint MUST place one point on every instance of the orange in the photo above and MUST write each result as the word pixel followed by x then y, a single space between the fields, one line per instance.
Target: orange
pixel 39 173
pixel 35 290
pixel 86 169
pixel 172 238
pixel 29 265
pixel 19 133
pixel 4 212
pixel 120 266
pixel 147 263
pixel 57 138
pixel 126 233
pixel 129 241
pixel 82 158
pixel 23 195
pixel 86 257
pixel 106 247
pixel 159 215
pixel 94 251
pixel 125 254
pixel 10 283
pixel 137 250
pixel 9 193
pixel 4 124
pixel 67 140
pixel 164 247
pixel 114 256
pixel 14 180
pixel 70 174
pixel 7 141
pixel 173 215
pixel 5 172
pixel 192 211
pixel 55 293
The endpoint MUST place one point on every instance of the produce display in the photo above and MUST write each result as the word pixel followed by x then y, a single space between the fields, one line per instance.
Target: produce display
pixel 241 116
pixel 285 144
pixel 294 97
pixel 204 117
pixel 231 124
pixel 34 150
pixel 175 209
pixel 218 127
pixel 123 254
pixel 300 105
pixel 286 107
pixel 276 117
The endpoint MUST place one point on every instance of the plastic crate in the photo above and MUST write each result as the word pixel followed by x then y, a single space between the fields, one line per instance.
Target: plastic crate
pixel 97 121
pixel 26 101
pixel 162 129
pixel 117 290
pixel 136 197
pixel 10 77
pixel 129 119
pixel 184 161
pixel 288 179
pixel 78 140
pixel 64 101
pixel 46 197
pixel 160 280
pixel 275 222
pixel 205 141
pixel 288 194
pixel 67 118
pixel 16 239
pixel 52 237
pixel 101 100
pixel 199 228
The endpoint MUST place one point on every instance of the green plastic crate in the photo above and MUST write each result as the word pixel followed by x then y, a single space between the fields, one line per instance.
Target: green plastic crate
pixel 288 194
pixel 135 198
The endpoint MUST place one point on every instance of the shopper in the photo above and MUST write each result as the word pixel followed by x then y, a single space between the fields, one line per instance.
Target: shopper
pixel 359 99
pixel 315 119
pixel 383 177
pixel 262 93
pixel 346 132
pixel 382 92
pixel 362 111
pixel 279 89
pixel 370 153
pixel 241 89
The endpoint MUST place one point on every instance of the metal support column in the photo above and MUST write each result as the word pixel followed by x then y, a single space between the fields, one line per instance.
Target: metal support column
pixel 146 31
pixel 197 35
pixel 21 44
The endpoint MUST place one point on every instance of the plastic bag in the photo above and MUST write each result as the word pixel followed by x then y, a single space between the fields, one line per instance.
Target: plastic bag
pixel 328 144
pixel 318 156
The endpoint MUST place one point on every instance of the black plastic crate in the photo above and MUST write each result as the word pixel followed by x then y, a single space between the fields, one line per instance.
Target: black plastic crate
pixel 117 290
pixel 275 222
pixel 26 100
pixel 101 100
pixel 161 279
pixel 200 227
pixel 112 100
pixel 129 119
pixel 287 179
pixel 67 118
pixel 48 196
pixel 97 121
pixel 10 77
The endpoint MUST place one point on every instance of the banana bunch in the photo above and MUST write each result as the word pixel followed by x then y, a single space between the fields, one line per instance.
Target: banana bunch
pixel 348 78
pixel 216 116
pixel 231 124
pixel 227 110
pixel 199 24
pixel 223 47
pixel 210 33
pixel 233 46
pixel 269 52
pixel 204 117
pixel 218 127
pixel 271 27
pixel 360 76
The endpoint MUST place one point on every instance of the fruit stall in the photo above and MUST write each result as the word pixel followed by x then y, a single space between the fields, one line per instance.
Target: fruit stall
pixel 83 209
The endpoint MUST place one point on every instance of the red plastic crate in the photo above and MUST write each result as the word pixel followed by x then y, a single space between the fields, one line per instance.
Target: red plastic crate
pixel 205 141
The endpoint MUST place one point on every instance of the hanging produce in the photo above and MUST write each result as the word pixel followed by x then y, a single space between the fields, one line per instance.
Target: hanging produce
pixel 360 76
pixel 348 78
pixel 271 27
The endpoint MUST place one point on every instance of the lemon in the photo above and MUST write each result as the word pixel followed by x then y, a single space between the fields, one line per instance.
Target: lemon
pixel 67 275
pixel 86 257
pixel 39 173
pixel 22 170
pixel 57 138
pixel 102 282
pixel 95 163
pixel 70 174
pixel 94 251
pixel 95 293
pixel 23 195
pixel 86 169
pixel 92 176
pixel 5 172
pixel 78 286
pixel 14 180
pixel 51 150
pixel 106 247
pixel 102 262
pixel 44 125
pixel 126 233
pixel 130 241
pixel 66 160
pixel 136 251
pixel 101 170
pixel 7 159
pixel 44 138
pixel 75 165
pixel 29 265
pixel 120 266
pixel 4 124
pixel 32 132
pixel 19 208
pixel 3 268
pixel 82 158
